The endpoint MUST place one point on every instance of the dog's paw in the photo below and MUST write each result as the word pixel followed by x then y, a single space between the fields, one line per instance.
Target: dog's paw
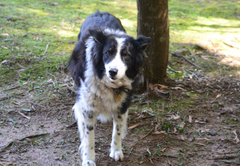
pixel 116 155
pixel 88 163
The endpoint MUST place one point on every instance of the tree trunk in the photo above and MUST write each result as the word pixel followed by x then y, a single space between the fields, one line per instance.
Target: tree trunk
pixel 153 22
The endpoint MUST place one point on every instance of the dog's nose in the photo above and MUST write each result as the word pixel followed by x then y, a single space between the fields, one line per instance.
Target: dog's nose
pixel 113 72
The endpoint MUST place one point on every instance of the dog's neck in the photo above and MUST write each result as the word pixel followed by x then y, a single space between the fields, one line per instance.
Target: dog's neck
pixel 118 92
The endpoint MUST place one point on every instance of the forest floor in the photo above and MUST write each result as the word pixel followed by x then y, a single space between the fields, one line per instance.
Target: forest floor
pixel 192 120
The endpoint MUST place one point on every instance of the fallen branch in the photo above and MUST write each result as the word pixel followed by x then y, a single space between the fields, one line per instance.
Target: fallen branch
pixel 3 148
pixel 7 97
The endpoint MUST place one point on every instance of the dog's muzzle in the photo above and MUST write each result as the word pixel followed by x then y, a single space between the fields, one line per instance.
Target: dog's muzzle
pixel 112 73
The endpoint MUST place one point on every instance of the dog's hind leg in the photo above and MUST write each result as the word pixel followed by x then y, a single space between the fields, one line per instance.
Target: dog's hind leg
pixel 119 131
pixel 86 124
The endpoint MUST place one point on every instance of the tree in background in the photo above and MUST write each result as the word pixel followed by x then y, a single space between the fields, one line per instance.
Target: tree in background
pixel 153 22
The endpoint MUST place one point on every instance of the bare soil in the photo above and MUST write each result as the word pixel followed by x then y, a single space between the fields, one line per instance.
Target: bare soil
pixel 194 120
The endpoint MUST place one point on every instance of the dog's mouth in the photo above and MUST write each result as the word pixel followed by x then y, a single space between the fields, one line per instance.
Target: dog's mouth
pixel 115 83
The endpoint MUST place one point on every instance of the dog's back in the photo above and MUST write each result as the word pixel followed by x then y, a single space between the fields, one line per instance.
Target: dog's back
pixel 100 21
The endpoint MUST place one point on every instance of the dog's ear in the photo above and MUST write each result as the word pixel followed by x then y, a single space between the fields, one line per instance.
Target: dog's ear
pixel 142 42
pixel 97 35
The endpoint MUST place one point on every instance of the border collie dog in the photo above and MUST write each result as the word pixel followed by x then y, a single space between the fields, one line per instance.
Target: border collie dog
pixel 104 65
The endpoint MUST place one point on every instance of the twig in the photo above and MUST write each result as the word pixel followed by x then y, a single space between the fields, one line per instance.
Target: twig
pixel 237 39
pixel 72 125
pixel 72 90
pixel 15 87
pixel 182 56
pixel 24 115
pixel 46 48
pixel 147 133
pixel 229 44
pixel 191 73
pixel 227 157
pixel 169 68
pixel 168 155
pixel 38 105
pixel 139 125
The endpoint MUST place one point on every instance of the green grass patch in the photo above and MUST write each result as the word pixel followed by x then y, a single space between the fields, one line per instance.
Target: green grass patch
pixel 37 36
pixel 28 27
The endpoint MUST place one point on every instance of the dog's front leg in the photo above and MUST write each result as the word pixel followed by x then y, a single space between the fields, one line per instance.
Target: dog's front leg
pixel 87 146
pixel 119 131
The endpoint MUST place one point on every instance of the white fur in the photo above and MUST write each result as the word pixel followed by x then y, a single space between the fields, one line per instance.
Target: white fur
pixel 97 97
pixel 117 62
pixel 113 31
pixel 119 131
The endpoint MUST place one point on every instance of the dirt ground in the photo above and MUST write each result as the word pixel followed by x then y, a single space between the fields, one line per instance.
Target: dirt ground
pixel 193 120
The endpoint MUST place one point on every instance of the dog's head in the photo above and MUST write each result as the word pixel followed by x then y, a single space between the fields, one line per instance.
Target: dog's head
pixel 118 57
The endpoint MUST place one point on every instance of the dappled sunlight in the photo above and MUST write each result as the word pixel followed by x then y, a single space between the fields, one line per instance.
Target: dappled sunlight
pixel 219 35
pixel 34 11
pixel 217 22
pixel 129 24
pixel 65 33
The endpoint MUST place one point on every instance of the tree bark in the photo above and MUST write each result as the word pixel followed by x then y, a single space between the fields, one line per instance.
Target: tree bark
pixel 153 22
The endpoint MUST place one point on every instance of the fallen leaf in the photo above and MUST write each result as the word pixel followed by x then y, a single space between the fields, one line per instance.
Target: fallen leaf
pixel 219 95
pixel 163 149
pixel 175 117
pixel 204 130
pixel 169 162
pixel 178 88
pixel 148 151
pixel 151 86
pixel 182 137
pixel 133 126
pixel 174 129
pixel 182 124
pixel 190 119
pixel 161 86
pixel 236 136
pixel 160 132
pixel 156 89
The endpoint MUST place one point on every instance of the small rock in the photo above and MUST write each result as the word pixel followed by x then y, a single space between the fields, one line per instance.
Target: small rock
pixel 214 164
pixel 213 132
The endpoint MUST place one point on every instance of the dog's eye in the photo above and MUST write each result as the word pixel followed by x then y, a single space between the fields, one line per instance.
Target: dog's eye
pixel 126 55
pixel 108 53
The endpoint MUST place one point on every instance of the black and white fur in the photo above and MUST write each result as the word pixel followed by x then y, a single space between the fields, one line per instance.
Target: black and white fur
pixel 105 62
